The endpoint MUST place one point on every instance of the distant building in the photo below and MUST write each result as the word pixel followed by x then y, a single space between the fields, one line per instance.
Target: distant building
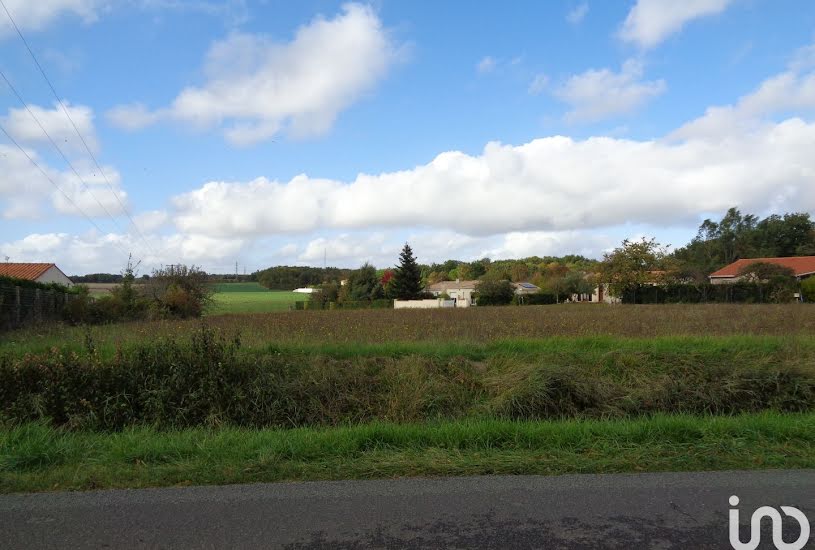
pixel 38 272
pixel 525 288
pixel 802 266
pixel 305 290
pixel 461 292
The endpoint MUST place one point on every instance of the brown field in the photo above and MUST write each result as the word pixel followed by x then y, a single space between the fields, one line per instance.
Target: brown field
pixel 100 289
pixel 476 325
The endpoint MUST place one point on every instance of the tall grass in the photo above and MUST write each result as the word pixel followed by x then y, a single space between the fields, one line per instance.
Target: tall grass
pixel 206 380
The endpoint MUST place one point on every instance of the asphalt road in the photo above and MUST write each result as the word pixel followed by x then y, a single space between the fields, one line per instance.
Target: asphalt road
pixel 672 510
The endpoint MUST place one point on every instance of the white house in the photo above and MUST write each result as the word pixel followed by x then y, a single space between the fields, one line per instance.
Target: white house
pixel 461 292
pixel 39 272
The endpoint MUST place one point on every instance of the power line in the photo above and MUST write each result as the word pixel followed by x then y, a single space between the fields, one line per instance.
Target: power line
pixel 61 153
pixel 44 173
pixel 78 133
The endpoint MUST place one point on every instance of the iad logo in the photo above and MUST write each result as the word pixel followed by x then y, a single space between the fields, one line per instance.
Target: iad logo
pixel 755 527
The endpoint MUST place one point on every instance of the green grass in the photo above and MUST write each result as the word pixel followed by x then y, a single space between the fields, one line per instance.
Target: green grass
pixel 251 298
pixel 34 457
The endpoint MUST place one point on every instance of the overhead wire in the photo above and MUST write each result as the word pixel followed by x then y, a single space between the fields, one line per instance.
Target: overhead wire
pixel 76 129
pixel 58 188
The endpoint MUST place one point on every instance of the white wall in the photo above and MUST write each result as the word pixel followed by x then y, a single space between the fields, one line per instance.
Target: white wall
pixel 54 275
pixel 418 304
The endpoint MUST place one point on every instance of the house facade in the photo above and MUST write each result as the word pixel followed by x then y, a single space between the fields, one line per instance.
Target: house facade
pixel 39 272
pixel 460 292
pixel 802 266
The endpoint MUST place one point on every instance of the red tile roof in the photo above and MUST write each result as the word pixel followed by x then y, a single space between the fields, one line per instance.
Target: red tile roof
pixel 24 271
pixel 801 265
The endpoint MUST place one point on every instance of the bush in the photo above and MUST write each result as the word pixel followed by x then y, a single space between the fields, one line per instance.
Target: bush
pixel 537 299
pixel 208 380
pixel 494 293
pixel 808 289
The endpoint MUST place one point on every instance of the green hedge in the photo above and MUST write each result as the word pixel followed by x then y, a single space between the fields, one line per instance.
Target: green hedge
pixel 208 381
pixel 703 293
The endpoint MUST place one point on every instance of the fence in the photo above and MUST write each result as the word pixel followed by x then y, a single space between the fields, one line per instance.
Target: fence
pixel 23 305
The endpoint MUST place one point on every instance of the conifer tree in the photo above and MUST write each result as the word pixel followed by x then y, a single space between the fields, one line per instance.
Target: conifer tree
pixel 407 277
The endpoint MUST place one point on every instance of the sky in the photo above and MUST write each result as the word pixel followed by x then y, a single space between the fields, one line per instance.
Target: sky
pixel 271 132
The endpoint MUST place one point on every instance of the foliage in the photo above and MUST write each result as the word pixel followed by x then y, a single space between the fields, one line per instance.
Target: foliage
pixel 780 279
pixel 290 277
pixel 406 283
pixel 739 235
pixel 630 266
pixel 363 284
pixel 27 283
pixel 494 293
pixel 178 291
pixel 808 289
pixel 207 380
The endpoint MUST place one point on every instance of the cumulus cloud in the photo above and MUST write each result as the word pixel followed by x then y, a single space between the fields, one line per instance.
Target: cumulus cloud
pixel 93 252
pixel 26 193
pixel 602 93
pixel 576 15
pixel 256 88
pixel 790 91
pixel 651 21
pixel 548 184
pixel 24 128
pixel 36 15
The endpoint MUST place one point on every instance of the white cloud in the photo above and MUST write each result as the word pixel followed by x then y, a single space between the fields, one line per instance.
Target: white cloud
pixel 486 65
pixel 790 91
pixel 601 93
pixel 346 249
pixel 151 220
pixel 25 129
pixel 549 184
pixel 651 21
pixel 257 88
pixel 538 84
pixel 546 243
pixel 35 15
pixel 93 252
pixel 576 15
pixel 26 193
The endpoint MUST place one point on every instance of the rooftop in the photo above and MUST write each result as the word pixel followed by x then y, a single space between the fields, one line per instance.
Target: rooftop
pixel 801 265
pixel 30 271
pixel 443 286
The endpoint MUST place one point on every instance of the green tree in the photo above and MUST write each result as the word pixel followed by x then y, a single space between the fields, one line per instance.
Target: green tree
pixel 780 279
pixel 406 283
pixel 494 293
pixel 628 267
pixel 362 284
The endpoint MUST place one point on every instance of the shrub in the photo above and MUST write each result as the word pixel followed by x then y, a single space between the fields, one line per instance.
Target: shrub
pixel 808 289
pixel 494 293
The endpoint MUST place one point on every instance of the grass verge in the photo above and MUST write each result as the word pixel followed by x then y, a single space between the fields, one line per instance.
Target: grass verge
pixel 35 457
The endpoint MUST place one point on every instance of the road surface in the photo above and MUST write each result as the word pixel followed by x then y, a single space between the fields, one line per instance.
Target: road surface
pixel 671 510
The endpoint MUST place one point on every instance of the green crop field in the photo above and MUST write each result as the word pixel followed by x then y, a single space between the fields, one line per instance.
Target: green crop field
pixel 251 298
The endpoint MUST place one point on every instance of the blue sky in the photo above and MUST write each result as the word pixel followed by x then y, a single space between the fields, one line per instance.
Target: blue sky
pixel 275 132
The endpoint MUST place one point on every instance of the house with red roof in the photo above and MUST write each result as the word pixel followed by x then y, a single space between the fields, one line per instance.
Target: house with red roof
pixel 802 266
pixel 38 272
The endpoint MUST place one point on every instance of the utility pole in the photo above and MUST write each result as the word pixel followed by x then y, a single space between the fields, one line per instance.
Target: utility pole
pixel 236 271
